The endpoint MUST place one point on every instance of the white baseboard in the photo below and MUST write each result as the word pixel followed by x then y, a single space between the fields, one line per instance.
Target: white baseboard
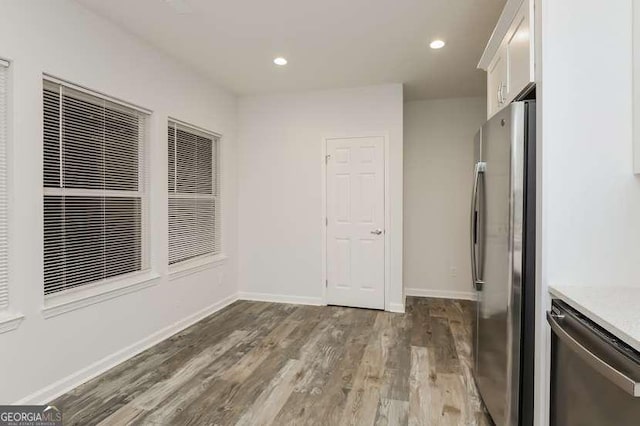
pixel 74 380
pixel 440 294
pixel 280 298
pixel 299 300
pixel 396 307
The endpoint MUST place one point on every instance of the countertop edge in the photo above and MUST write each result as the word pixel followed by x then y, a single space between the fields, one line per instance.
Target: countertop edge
pixel 611 328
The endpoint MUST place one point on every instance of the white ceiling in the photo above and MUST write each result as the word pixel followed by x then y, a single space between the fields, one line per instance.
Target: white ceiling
pixel 328 43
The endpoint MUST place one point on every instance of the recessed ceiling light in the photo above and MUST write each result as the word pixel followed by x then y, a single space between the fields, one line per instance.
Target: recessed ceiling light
pixel 280 61
pixel 437 44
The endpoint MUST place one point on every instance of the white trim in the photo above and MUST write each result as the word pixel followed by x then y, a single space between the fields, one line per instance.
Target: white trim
pixel 636 87
pixel 387 214
pixel 220 197
pixel 144 188
pixel 216 195
pixel 280 298
pixel 388 231
pixel 324 218
pixel 96 93
pixel 441 294
pixel 74 380
pixel 60 132
pixel 499 32
pixel 10 321
pixel 396 307
pixel 191 266
pixel 89 294
pixel 199 129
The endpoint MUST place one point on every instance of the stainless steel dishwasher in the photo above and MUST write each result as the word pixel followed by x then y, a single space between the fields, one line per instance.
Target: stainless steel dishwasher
pixel 595 378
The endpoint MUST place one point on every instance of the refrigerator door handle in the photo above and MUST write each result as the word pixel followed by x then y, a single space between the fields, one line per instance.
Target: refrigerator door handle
pixel 477 281
pixel 620 379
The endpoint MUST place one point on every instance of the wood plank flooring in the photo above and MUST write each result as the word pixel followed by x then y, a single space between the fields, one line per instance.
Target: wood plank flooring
pixel 257 363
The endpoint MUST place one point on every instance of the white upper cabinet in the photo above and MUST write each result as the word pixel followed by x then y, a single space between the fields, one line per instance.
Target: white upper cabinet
pixel 509 56
pixel 497 84
pixel 519 47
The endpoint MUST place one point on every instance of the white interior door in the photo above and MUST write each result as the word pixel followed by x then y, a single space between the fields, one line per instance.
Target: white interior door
pixel 355 222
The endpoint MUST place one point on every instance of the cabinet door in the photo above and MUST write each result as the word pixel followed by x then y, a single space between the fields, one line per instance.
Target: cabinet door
pixel 497 83
pixel 519 47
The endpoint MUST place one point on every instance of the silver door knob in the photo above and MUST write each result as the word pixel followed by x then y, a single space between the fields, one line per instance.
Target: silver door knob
pixel 377 232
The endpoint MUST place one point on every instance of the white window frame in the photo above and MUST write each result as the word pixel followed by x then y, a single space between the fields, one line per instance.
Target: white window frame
pixel 10 319
pixel 205 261
pixel 98 291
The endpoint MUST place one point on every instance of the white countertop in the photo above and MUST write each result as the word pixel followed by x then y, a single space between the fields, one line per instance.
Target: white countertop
pixel 616 309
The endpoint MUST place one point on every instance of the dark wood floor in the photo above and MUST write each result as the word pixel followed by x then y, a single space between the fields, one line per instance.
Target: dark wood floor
pixel 259 363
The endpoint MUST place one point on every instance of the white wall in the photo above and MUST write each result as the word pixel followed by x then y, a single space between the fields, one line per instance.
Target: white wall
pixel 280 185
pixel 63 39
pixel 438 171
pixel 590 204
pixel 591 198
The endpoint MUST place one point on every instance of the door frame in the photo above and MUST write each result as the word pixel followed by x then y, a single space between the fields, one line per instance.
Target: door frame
pixel 323 211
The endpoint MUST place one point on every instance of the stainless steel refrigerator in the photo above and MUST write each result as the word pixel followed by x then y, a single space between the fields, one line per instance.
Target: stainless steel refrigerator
pixel 503 263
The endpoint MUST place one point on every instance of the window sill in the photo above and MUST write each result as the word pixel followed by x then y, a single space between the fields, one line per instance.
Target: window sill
pixel 71 300
pixel 192 266
pixel 10 321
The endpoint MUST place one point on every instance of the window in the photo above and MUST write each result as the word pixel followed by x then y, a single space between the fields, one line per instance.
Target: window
pixel 94 194
pixel 4 264
pixel 194 204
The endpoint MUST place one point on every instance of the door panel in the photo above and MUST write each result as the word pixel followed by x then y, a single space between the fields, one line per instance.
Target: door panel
pixel 343 198
pixel 476 237
pixel 519 52
pixel 498 340
pixel 497 82
pixel 355 212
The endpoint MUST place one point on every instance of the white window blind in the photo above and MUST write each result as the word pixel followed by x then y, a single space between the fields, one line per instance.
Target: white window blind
pixel 93 188
pixel 4 255
pixel 194 204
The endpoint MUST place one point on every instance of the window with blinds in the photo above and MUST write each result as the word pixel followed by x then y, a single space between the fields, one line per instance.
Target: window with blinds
pixel 4 255
pixel 194 204
pixel 93 188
